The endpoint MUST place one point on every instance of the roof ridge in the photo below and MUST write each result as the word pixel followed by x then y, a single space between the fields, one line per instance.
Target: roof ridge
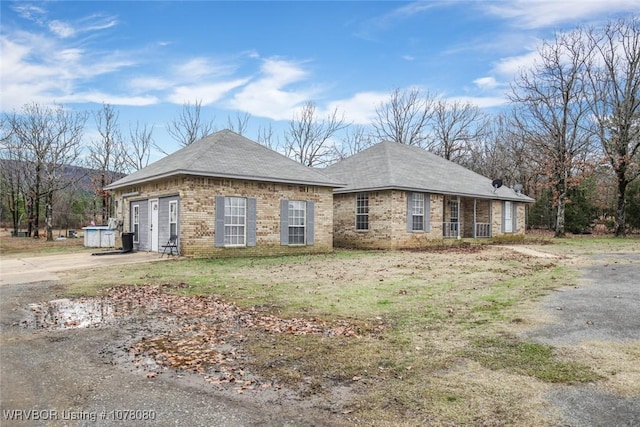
pixel 228 154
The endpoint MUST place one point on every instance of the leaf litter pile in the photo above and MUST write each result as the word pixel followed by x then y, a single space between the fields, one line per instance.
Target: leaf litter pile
pixel 202 334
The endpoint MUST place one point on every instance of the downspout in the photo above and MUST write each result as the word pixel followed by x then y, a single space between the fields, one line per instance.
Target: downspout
pixel 475 220
pixel 125 196
pixel 459 218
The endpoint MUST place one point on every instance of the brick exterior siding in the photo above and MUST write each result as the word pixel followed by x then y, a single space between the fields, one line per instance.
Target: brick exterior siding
pixel 388 220
pixel 497 206
pixel 196 214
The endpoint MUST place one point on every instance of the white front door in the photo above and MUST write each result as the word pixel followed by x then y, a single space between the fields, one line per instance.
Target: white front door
pixel 153 225
pixel 508 217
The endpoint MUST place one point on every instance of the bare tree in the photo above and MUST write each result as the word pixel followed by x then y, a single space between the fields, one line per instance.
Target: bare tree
pixel 615 103
pixel 308 140
pixel 509 154
pixel 139 151
pixel 50 138
pixel 551 107
pixel 12 170
pixel 266 137
pixel 404 117
pixel 240 124
pixel 30 144
pixel 65 151
pixel 455 125
pixel 355 140
pixel 107 156
pixel 189 126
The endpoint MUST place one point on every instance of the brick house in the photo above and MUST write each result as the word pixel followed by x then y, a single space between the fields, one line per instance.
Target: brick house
pixel 226 195
pixel 400 196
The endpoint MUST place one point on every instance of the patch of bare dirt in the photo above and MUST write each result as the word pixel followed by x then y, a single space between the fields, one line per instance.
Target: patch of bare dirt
pixel 185 334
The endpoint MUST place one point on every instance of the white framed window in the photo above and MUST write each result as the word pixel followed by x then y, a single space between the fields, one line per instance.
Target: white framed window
pixel 297 222
pixel 362 211
pixel 135 223
pixel 454 210
pixel 417 211
pixel 235 221
pixel 173 218
pixel 236 224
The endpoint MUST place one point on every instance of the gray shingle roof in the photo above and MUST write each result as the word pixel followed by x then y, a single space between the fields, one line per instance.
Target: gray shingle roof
pixel 388 165
pixel 226 154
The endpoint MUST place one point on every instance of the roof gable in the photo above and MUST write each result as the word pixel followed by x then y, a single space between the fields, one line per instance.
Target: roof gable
pixel 226 154
pixel 389 165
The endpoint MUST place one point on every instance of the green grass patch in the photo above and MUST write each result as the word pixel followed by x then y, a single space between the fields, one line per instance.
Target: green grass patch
pixel 531 359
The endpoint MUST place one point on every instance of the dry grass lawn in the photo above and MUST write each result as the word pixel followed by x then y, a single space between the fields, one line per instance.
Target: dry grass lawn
pixel 437 330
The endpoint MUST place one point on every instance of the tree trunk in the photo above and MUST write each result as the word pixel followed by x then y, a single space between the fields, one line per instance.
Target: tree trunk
pixel 620 221
pixel 560 211
pixel 36 205
pixel 14 207
pixel 48 213
pixel 29 216
pixel 560 219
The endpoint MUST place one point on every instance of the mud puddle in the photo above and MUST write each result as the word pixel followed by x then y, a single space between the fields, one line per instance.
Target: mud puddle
pixel 67 313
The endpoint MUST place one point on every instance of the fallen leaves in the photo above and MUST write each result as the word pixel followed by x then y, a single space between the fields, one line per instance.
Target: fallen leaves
pixel 199 334
pixel 206 334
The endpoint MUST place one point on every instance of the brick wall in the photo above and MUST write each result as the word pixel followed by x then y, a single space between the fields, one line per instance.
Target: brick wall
pixel 387 222
pixel 469 206
pixel 497 206
pixel 197 213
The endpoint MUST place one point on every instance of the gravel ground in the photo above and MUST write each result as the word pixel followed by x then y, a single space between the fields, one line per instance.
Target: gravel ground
pixel 70 377
pixel 604 308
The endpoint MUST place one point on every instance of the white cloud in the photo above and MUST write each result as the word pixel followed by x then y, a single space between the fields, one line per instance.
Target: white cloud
pixel 35 68
pixel 152 83
pixel 547 13
pixel 71 55
pixel 99 97
pixel 486 83
pixel 30 11
pixel 481 101
pixel 370 28
pixel 512 65
pixel 61 29
pixel 360 109
pixel 198 68
pixel 206 93
pixel 96 23
pixel 267 96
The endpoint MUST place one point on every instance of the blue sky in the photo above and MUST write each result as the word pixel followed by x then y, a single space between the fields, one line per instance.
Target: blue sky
pixel 147 58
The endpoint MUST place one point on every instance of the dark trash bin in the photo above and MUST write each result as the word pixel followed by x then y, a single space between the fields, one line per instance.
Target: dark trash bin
pixel 127 242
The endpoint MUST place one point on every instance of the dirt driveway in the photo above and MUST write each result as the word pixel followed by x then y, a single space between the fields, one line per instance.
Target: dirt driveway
pixel 73 377
pixel 41 268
